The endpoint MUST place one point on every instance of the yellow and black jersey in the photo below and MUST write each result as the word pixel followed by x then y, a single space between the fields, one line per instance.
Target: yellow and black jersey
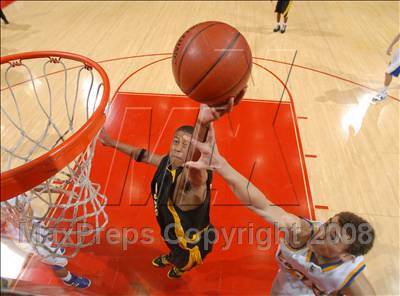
pixel 171 219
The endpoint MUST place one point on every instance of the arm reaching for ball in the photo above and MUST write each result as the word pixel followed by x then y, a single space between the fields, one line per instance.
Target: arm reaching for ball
pixel 134 152
pixel 247 193
pixel 188 196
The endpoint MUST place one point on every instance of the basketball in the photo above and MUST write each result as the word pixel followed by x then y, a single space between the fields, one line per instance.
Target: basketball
pixel 212 62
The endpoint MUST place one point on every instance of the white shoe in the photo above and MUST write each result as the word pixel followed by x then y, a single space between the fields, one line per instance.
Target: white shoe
pixel 379 97
pixel 277 28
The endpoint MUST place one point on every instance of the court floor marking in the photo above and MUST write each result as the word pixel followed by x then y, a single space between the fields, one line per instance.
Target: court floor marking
pixel 299 144
pixel 298 141
pixel 256 58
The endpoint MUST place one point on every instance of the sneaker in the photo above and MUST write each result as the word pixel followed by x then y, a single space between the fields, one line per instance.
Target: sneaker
pixel 160 261
pixel 174 273
pixel 277 28
pixel 78 282
pixel 283 29
pixel 379 97
pixel 61 251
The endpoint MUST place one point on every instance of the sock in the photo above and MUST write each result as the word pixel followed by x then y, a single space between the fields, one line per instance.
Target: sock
pixel 383 91
pixel 284 25
pixel 67 278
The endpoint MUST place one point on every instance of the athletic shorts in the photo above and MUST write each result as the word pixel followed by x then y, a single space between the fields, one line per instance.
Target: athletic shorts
pixel 394 66
pixel 183 259
pixel 283 6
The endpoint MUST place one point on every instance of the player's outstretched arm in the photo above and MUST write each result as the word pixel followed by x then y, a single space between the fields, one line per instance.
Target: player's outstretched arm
pixel 198 177
pixel 247 193
pixel 136 153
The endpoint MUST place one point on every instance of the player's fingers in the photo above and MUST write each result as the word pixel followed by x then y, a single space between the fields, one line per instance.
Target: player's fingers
pixel 202 147
pixel 226 107
pixel 211 134
pixel 215 113
pixel 230 104
pixel 195 165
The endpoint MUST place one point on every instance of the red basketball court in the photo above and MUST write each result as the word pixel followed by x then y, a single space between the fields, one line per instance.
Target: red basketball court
pixel 242 261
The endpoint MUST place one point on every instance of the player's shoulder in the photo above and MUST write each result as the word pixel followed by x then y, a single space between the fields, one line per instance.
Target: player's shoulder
pixel 300 233
pixel 314 225
pixel 162 161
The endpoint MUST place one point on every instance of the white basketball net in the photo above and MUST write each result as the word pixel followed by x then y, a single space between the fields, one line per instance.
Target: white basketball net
pixel 41 107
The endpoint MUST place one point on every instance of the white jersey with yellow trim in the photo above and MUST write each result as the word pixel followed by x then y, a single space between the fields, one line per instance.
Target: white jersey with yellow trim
pixel 299 275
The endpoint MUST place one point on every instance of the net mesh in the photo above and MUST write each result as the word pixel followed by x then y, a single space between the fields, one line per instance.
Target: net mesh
pixel 44 102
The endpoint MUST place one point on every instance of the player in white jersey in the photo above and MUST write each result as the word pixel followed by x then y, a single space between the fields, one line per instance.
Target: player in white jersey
pixel 14 220
pixel 304 271
pixel 392 70
pixel 314 258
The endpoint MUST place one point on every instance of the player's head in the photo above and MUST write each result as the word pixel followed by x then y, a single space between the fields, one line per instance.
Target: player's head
pixel 344 236
pixel 180 145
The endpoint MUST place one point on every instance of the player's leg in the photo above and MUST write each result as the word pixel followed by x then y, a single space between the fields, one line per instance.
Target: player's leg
pixel 285 19
pixel 161 261
pixel 392 70
pixel 181 260
pixel 59 266
pixel 286 8
pixel 70 279
pixel 278 10
pixel 3 17
pixel 382 94
pixel 207 241
pixel 278 20
pixel 185 260
pixel 177 257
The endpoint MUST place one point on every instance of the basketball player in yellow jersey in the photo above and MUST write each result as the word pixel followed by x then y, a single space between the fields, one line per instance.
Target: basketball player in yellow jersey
pixel 181 195
pixel 314 258
pixel 282 7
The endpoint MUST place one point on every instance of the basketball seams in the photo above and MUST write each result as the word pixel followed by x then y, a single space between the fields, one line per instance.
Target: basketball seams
pixel 187 46
pixel 200 73
pixel 249 64
pixel 241 79
pixel 231 44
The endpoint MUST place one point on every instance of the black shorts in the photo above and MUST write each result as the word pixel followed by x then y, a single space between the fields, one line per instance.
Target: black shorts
pixel 282 6
pixel 181 257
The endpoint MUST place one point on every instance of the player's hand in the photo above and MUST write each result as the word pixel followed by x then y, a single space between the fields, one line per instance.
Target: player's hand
pixel 210 158
pixel 105 139
pixel 240 95
pixel 389 51
pixel 209 114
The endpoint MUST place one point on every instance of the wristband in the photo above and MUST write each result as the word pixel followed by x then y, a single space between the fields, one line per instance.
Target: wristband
pixel 140 155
